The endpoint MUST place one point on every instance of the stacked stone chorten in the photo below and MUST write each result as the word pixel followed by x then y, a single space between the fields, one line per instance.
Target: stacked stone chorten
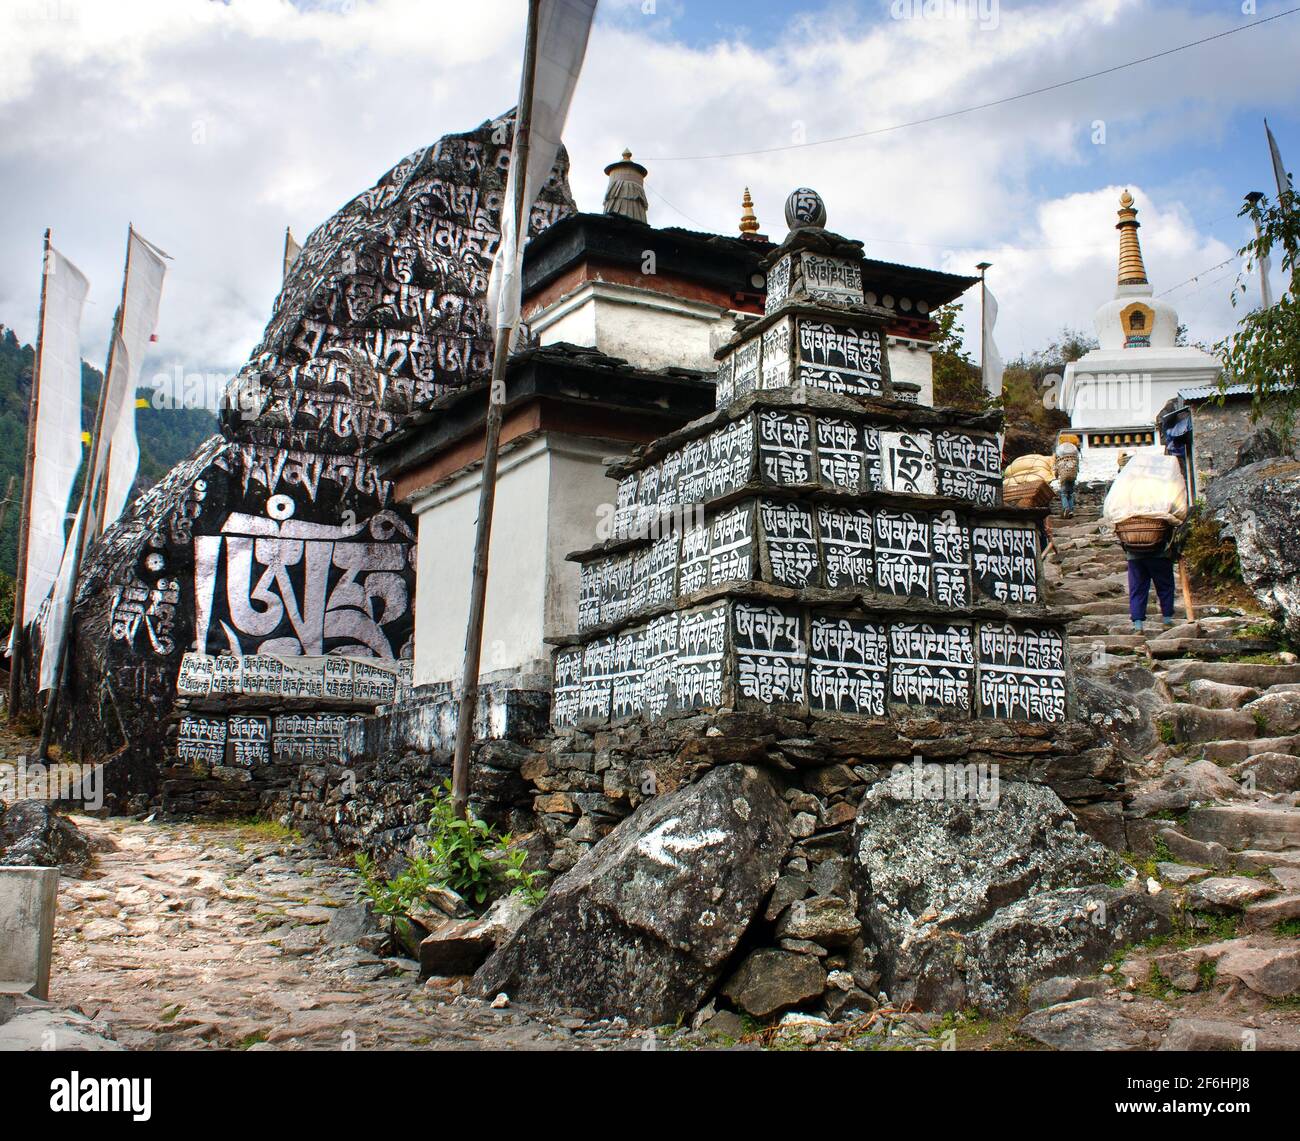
pixel 815 545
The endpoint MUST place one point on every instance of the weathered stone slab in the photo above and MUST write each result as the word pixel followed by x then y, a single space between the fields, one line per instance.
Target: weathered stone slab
pixel 1266 912
pixel 644 923
pixel 1237 827
pixel 1191 723
pixel 1179 874
pixel 1226 894
pixel 1198 782
pixel 1231 673
pixel 1272 772
pixel 459 947
pixel 47 1028
pixel 1219 695
pixel 1217 1035
pixel 1088 1024
pixel 1231 752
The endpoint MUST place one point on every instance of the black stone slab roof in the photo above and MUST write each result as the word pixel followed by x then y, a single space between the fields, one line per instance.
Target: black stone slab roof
pixel 563 373
pixel 715 259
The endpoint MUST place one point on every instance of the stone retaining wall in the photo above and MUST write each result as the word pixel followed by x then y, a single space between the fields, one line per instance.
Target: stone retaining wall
pixel 572 788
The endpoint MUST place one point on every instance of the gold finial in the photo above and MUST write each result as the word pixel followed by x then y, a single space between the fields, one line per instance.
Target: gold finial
pixel 627 155
pixel 748 219
pixel 1131 269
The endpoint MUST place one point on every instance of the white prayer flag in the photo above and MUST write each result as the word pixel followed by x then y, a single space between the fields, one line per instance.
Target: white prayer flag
pixel 993 364
pixel 562 32
pixel 144 279
pixel 1279 170
pixel 292 248
pixel 57 428
pixel 56 617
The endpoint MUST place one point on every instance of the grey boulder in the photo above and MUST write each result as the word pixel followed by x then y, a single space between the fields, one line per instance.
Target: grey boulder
pixel 644 923
pixel 1088 1024
pixel 770 981
pixel 34 835
pixel 970 903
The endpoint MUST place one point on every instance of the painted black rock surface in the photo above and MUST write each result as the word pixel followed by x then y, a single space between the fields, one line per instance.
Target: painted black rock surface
pixel 277 536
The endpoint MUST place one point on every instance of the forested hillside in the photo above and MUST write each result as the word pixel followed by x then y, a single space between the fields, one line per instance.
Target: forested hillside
pixel 166 435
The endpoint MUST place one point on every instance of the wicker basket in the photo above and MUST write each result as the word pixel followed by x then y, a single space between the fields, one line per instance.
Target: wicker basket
pixel 1142 533
pixel 1034 493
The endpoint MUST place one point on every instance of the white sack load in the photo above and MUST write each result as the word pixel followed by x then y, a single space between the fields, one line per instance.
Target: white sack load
pixel 1150 486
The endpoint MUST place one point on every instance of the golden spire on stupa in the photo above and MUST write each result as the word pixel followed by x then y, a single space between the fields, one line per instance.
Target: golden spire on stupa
pixel 748 219
pixel 1131 269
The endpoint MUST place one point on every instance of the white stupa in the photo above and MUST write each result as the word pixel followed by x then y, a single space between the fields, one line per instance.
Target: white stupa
pixel 1112 394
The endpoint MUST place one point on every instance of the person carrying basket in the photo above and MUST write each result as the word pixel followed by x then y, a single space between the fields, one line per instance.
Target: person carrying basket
pixel 1147 506
pixel 1065 462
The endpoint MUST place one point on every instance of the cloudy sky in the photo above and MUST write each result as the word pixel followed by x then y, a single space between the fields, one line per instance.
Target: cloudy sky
pixel 213 124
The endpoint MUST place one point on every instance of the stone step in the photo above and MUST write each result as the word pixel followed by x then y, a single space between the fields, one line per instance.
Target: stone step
pixel 1216 695
pixel 1260 861
pixel 1191 724
pixel 1241 827
pixel 1086 645
pixel 1095 607
pixel 1233 673
pixel 1266 912
pixel 1231 752
pixel 1208 649
pixel 1090 569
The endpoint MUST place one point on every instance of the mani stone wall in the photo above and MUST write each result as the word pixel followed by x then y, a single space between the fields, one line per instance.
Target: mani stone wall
pixel 815 546
pixel 819 579
pixel 278 547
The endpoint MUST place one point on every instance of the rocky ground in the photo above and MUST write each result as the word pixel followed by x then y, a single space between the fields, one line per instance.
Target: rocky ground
pixel 1215 781
pixel 191 937
pixel 188 936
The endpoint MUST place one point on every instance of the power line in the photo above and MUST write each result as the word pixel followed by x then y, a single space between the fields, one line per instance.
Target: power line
pixel 1212 281
pixel 1032 249
pixel 981 106
pixel 1197 274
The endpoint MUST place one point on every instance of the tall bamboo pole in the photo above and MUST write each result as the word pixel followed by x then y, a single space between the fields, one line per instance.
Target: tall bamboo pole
pixel 468 706
pixel 25 521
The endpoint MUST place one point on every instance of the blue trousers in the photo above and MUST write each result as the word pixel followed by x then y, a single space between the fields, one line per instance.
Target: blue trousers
pixel 1142 572
pixel 1067 495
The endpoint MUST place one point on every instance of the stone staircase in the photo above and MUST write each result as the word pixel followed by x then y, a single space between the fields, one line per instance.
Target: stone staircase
pixel 1213 801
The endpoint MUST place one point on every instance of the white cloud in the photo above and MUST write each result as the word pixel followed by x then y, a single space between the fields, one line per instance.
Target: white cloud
pixel 212 126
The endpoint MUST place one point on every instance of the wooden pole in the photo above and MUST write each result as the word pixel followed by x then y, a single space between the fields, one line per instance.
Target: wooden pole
pixel 1253 200
pixel 468 705
pixel 1187 591
pixel 25 521
pixel 90 493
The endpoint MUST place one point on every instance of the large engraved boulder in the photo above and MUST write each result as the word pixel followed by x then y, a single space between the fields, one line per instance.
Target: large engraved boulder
pixel 644 924
pixel 1259 507
pixel 278 536
pixel 971 900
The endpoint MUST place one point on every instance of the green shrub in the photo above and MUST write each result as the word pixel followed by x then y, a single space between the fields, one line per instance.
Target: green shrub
pixel 472 858
pixel 468 856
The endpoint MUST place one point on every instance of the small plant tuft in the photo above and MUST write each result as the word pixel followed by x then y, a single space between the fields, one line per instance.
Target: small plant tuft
pixel 468 856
